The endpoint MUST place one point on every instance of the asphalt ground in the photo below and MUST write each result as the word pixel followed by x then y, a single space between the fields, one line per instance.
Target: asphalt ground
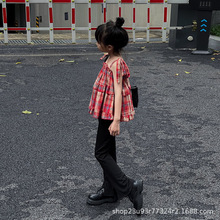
pixel 47 163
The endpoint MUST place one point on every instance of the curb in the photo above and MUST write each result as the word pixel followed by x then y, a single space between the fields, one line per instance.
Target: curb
pixel 214 42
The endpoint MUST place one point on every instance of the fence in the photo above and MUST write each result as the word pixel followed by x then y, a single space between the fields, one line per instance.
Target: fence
pixel 73 28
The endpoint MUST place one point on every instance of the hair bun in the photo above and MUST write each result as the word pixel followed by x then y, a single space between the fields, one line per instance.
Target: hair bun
pixel 119 22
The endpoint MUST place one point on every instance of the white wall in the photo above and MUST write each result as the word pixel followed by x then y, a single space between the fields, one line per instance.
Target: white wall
pixel 60 9
pixel 39 10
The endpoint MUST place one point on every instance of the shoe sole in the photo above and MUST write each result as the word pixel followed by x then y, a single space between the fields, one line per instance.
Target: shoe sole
pixel 138 202
pixel 100 202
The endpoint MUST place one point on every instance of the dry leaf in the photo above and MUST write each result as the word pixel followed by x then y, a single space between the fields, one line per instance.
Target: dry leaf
pixel 26 112
pixel 187 72
pixel 18 63
pixel 61 60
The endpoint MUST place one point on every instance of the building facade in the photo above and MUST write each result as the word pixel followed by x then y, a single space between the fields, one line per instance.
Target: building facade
pixel 62 15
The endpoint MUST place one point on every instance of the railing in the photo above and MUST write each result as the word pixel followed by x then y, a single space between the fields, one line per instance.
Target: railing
pixel 73 28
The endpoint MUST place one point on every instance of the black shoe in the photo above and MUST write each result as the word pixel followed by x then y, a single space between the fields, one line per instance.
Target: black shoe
pixel 99 198
pixel 136 196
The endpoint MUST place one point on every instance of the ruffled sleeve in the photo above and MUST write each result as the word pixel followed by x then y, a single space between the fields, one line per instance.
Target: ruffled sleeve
pixel 122 68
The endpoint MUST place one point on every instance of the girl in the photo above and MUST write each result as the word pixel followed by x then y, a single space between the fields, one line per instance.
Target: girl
pixel 111 103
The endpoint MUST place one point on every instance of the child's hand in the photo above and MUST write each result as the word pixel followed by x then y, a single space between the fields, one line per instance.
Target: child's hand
pixel 114 128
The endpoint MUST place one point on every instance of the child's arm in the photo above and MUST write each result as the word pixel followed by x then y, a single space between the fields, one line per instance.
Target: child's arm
pixel 114 128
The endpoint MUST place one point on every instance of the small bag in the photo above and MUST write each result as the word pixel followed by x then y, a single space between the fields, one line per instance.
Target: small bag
pixel 134 91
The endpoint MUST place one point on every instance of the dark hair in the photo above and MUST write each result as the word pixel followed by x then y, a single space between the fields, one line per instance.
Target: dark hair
pixel 99 32
pixel 113 34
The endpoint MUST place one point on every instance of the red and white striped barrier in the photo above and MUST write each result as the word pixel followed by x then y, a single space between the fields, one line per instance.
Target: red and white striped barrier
pixel 73 28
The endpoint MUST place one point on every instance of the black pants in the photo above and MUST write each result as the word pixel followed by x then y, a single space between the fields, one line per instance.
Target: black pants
pixel 116 183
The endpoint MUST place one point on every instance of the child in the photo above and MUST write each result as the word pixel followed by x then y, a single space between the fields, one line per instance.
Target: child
pixel 111 103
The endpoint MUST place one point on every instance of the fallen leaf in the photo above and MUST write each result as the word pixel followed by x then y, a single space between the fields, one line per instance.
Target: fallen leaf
pixel 213 58
pixel 142 48
pixel 177 74
pixel 38 113
pixel 187 72
pixel 180 60
pixel 61 60
pixel 70 61
pixel 3 75
pixel 26 112
pixel 18 63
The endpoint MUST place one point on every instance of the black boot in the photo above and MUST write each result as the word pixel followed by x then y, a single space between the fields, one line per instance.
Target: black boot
pixel 99 198
pixel 136 196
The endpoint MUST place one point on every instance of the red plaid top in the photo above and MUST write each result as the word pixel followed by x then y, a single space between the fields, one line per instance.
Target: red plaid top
pixel 102 99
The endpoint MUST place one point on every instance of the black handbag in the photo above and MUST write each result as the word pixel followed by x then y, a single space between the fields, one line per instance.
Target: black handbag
pixel 134 91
